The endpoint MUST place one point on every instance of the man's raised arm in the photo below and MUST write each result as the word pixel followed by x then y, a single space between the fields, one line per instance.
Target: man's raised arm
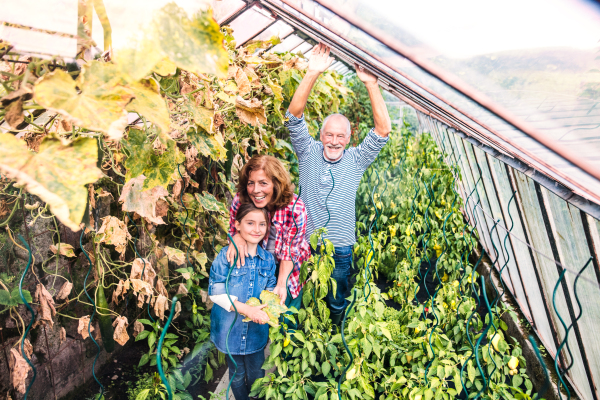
pixel 383 125
pixel 318 63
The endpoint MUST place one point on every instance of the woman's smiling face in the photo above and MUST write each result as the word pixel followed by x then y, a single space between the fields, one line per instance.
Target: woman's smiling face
pixel 260 188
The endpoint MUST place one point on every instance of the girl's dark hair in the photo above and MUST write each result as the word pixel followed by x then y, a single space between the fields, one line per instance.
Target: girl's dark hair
pixel 283 189
pixel 246 208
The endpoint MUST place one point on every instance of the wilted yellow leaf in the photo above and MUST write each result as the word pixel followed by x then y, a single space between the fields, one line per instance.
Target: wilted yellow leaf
pixel 99 107
pixel 142 202
pixel 165 67
pixel 208 145
pixel 57 173
pixel 65 249
pixel 149 103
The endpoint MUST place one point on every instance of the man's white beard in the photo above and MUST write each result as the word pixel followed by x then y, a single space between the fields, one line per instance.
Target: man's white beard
pixel 333 155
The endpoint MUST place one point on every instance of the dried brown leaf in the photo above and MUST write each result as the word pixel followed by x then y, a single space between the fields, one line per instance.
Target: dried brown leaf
pixel 160 306
pixel 177 188
pixel 120 335
pixel 181 290
pixel 120 290
pixel 250 111
pixel 137 328
pixel 160 287
pixel 113 231
pixel 138 267
pixel 46 309
pixel 82 329
pixel 65 291
pixel 18 371
pixel 62 334
pixel 242 81
pixel 143 202
pixel 27 347
pixel 177 310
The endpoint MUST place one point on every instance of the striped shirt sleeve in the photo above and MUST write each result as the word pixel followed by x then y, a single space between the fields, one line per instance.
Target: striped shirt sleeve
pixel 367 151
pixel 301 139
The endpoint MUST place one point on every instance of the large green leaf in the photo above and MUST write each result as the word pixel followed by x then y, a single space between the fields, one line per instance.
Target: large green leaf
pixel 57 174
pixel 212 146
pixel 149 103
pixel 194 44
pixel 273 308
pixel 100 104
pixel 143 160
pixel 210 203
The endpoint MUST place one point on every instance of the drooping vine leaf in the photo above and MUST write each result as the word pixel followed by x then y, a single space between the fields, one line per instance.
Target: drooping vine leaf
pixel 100 105
pixel 149 103
pixel 209 203
pixel 57 174
pixel 193 44
pixel 208 145
pixel 143 160
pixel 142 202
pixel 273 308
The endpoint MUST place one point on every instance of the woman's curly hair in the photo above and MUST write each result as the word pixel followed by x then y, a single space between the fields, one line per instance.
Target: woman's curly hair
pixel 283 189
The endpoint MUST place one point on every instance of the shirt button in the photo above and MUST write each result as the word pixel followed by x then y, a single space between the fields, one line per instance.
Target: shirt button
pixel 244 337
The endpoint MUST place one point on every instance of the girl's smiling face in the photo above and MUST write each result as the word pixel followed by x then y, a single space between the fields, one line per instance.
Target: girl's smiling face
pixel 260 188
pixel 253 227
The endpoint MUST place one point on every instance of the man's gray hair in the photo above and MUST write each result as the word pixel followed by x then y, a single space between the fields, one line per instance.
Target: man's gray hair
pixel 348 128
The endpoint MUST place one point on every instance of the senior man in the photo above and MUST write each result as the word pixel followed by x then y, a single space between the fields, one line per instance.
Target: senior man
pixel 328 164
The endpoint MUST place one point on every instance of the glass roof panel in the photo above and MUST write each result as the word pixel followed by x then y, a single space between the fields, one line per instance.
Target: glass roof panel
pixel 289 43
pixel 247 25
pixel 510 140
pixel 223 9
pixel 303 48
pixel 542 69
pixel 279 29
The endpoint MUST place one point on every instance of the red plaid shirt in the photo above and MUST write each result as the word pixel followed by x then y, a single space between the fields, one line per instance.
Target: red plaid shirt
pixel 288 237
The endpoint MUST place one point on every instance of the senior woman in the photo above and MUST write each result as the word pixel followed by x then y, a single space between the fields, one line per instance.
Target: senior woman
pixel 265 182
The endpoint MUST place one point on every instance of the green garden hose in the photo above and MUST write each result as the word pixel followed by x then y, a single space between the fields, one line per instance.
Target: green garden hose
pixel 32 316
pixel 546 384
pixel 231 377
pixel 562 372
pixel 93 313
pixel 481 336
pixel 163 378
pixel 343 374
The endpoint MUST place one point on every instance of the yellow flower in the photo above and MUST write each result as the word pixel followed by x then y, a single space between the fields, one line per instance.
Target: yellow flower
pixel 379 205
pixel 392 230
pixel 393 248
pixel 392 204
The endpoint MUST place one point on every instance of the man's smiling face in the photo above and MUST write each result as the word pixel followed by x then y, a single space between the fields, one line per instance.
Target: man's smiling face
pixel 335 137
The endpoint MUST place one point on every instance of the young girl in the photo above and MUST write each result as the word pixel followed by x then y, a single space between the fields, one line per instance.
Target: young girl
pixel 247 340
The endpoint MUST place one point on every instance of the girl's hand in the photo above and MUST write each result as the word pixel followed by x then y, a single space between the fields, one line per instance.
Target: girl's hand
pixel 256 314
pixel 242 248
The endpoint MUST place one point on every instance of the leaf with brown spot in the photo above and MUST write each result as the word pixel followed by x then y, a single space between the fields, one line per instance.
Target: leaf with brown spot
pixel 100 104
pixel 212 146
pixel 18 371
pixel 65 249
pixel 120 335
pixel 65 291
pixel 57 174
pixel 143 202
pixel 114 232
pixel 149 103
pixel 46 309
pixel 82 329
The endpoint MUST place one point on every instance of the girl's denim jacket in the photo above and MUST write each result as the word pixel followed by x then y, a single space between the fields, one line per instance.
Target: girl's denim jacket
pixel 245 282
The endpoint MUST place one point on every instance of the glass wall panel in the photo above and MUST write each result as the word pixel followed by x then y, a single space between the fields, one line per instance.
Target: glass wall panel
pixel 223 9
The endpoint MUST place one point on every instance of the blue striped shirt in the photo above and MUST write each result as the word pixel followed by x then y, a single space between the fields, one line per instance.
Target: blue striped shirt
pixel 316 175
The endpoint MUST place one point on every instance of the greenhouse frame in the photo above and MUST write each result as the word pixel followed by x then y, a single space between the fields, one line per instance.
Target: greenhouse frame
pixel 527 159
